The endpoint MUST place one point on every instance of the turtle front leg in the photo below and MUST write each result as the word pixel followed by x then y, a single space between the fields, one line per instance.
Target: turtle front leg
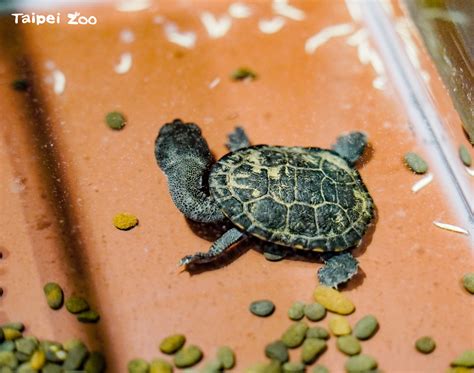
pixel 218 247
pixel 350 146
pixel 237 140
pixel 338 269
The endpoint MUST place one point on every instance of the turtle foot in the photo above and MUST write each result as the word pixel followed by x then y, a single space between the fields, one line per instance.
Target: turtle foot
pixel 338 269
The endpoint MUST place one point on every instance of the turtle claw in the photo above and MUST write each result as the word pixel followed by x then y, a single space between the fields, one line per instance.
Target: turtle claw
pixel 338 269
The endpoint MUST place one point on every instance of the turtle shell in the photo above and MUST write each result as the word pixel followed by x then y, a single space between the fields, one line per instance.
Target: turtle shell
pixel 305 198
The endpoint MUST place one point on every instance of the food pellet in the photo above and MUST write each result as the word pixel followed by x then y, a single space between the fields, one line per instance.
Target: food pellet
pixel 317 332
pixel 366 327
pixel 95 363
pixel 7 346
pixel 465 156
pixel 138 366
pixel 14 325
pixel 271 367
pixel 125 221
pixel 115 120
pixel 425 345
pixel 360 364
pixel 314 311
pixel 160 366
pixel 349 345
pixel 76 304
pixel 459 370
pixel 333 300
pixel 214 366
pixel 25 345
pixel 295 334
pixel 277 351
pixel 38 360
pixel 415 163
pixel 88 317
pixel 226 356
pixel 172 343
pixel 8 359
pixel 187 356
pixel 11 334
pixel 320 369
pixel 243 73
pixel 339 326
pixel 296 311
pixel 262 308
pixel 54 295
pixel 293 367
pixel 76 357
pixel 312 348
pixel 466 359
pixel 468 282
pixel 52 368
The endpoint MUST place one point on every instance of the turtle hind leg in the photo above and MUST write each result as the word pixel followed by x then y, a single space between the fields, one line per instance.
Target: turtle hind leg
pixel 237 140
pixel 338 269
pixel 351 146
pixel 218 247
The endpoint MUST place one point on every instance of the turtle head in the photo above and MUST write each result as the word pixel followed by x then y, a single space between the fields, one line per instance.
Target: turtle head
pixel 177 141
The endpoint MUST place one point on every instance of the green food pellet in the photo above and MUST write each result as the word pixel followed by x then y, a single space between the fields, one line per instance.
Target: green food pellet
pixel 465 156
pixel 466 359
pixel 54 295
pixel 8 359
pixel 312 348
pixel 160 366
pixel 366 327
pixel 226 356
pixel 425 345
pixel 317 332
pixel 25 368
pixel 52 368
pixel 296 311
pixel 243 73
pixel 70 344
pixel 88 316
pixel 95 363
pixel 415 163
pixel 115 120
pixel 271 367
pixel 295 334
pixel 360 364
pixel 7 346
pixel 262 308
pixel 468 282
pixel 20 84
pixel 214 366
pixel 38 360
pixel 277 351
pixel 21 357
pixel 11 334
pixel 76 357
pixel 76 304
pixel 25 345
pixel 14 325
pixel 172 343
pixel 314 311
pixel 125 221
pixel 138 366
pixel 320 369
pixel 348 345
pixel 293 367
pixel 187 356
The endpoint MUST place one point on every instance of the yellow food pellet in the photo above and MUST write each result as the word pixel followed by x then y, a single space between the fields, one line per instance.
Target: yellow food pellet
pixel 38 360
pixel 333 300
pixel 11 334
pixel 339 326
pixel 459 370
pixel 125 221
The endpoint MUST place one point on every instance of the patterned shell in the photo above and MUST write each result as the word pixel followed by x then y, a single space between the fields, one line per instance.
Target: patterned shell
pixel 305 198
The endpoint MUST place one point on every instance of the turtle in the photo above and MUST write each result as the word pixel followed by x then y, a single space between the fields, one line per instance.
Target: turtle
pixel 303 198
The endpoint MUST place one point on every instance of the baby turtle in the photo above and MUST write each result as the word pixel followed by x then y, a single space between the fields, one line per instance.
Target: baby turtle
pixel 305 198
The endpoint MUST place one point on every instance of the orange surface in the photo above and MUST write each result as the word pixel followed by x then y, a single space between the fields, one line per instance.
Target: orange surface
pixel 65 174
